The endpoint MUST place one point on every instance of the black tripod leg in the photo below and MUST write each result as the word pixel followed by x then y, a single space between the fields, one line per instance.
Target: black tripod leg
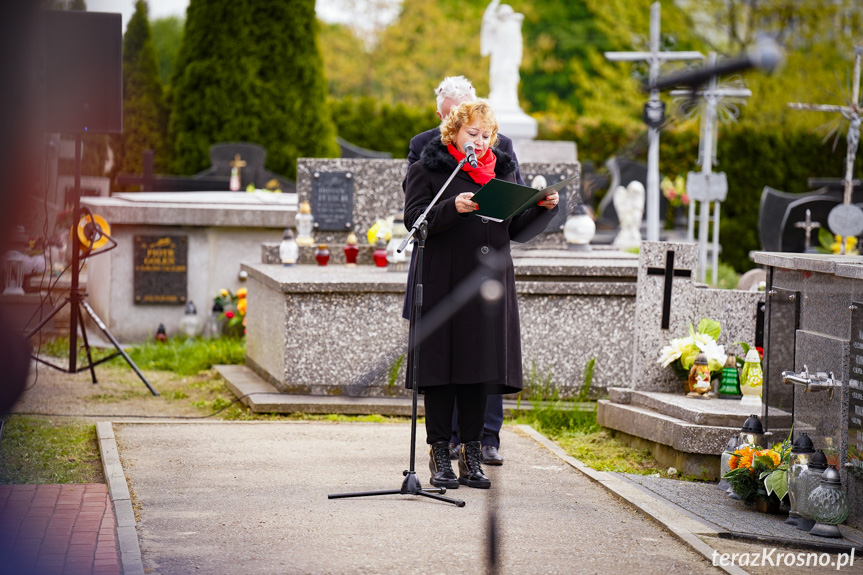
pixel 364 493
pixel 86 343
pixel 456 502
pixel 46 319
pixel 117 346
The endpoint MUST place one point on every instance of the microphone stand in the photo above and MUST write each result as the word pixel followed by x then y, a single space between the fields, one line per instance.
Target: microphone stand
pixel 411 484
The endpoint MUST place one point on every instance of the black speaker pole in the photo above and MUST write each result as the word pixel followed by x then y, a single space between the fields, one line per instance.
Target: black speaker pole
pixel 76 261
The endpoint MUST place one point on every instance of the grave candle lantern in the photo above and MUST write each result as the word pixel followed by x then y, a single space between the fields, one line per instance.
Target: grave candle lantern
pixel 322 255
pixel 724 466
pixel 289 251
pixel 828 504
pixel 801 450
pixel 752 433
pixel 213 328
pixel 729 383
pixel 809 480
pixel 305 222
pixel 752 378
pixel 351 250
pixel 398 234
pixel 190 324
pixel 699 377
pixel 579 229
pixel 380 253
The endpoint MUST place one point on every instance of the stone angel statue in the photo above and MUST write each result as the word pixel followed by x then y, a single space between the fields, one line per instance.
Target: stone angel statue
pixel 500 38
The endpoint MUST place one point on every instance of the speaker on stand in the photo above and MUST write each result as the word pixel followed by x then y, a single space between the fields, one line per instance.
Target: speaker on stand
pixel 82 76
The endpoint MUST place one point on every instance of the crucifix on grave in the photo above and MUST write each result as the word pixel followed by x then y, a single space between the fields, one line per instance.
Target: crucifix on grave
pixel 808 225
pixel 669 273
pixel 705 187
pixel 236 165
pixel 654 112
pixel 846 219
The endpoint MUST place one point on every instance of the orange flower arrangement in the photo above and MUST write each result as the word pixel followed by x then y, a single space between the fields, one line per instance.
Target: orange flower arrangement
pixel 759 473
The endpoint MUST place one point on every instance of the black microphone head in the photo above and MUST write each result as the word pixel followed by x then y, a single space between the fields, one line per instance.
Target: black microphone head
pixel 470 153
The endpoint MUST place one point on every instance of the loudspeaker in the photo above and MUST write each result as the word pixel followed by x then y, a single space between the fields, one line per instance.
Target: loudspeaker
pixel 83 71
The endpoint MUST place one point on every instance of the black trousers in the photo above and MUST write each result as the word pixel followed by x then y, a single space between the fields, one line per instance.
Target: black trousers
pixel 439 403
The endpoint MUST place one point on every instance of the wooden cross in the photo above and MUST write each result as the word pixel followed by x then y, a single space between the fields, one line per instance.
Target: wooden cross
pixel 852 113
pixel 669 274
pixel 239 164
pixel 655 58
pixel 808 225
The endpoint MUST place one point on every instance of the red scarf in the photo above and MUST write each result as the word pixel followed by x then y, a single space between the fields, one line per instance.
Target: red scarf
pixel 484 170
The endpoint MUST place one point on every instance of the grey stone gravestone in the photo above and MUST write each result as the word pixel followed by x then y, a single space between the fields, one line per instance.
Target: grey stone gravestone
pixel 667 303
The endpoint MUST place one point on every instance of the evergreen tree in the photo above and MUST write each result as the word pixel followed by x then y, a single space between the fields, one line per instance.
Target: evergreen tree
pixel 250 70
pixel 144 113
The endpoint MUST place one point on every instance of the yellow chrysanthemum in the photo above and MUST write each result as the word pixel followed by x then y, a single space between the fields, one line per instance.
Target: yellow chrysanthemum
pixel 770 453
pixel 742 457
pixel 241 306
pixel 223 292
pixel 241 293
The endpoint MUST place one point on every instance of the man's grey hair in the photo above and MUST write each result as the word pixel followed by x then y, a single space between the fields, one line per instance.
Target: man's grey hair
pixel 455 88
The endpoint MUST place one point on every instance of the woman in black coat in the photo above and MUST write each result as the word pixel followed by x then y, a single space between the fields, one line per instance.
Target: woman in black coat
pixel 475 352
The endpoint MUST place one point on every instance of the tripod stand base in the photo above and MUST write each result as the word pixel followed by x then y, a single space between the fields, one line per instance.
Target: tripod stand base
pixel 410 486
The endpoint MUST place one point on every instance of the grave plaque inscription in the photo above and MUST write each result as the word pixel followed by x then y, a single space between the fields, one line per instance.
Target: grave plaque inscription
pixel 855 393
pixel 333 200
pixel 161 269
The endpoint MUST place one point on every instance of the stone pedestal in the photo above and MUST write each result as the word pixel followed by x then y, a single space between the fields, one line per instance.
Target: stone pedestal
pixel 686 433
pixel 336 330
pixel 516 125
pixel 222 229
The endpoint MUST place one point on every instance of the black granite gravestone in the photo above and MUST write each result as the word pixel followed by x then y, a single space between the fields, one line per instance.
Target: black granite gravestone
pixel 160 269
pixel 223 155
pixel 332 200
pixel 349 150
pixel 855 392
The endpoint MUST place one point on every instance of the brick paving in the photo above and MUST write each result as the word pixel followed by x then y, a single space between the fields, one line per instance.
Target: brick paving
pixel 57 530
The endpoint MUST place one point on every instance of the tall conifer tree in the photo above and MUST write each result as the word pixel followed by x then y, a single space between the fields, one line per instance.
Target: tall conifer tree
pixel 250 70
pixel 144 112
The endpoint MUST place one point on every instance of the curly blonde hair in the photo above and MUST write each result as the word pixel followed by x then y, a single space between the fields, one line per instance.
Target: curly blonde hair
pixel 465 113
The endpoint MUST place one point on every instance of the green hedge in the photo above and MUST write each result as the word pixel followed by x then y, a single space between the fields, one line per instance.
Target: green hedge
pixel 250 71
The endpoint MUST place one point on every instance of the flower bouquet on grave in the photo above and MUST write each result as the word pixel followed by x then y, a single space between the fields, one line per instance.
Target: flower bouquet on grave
pixel 680 352
pixel 759 476
pixel 234 314
pixel 675 192
pixel 831 244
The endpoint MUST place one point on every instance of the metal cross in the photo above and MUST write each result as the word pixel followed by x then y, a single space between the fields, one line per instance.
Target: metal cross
pixel 712 94
pixel 655 58
pixel 852 113
pixel 669 274
pixel 238 163
pixel 808 225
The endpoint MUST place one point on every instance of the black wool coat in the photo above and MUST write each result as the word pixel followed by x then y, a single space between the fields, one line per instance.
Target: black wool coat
pixel 477 342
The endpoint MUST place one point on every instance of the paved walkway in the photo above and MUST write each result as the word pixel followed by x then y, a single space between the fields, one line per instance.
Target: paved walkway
pixel 57 529
pixel 251 497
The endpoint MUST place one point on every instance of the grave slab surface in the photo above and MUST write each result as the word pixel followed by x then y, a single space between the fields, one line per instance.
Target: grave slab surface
pixel 252 497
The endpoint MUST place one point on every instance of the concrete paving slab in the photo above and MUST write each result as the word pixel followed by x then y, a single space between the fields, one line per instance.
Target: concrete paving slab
pixel 221 497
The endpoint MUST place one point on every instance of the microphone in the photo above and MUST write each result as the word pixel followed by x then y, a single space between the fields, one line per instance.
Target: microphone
pixel 766 55
pixel 470 154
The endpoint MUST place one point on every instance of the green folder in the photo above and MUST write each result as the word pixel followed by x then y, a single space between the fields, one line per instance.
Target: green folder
pixel 499 200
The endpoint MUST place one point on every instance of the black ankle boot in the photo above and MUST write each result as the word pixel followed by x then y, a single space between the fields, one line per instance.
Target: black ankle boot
pixel 440 467
pixel 470 466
